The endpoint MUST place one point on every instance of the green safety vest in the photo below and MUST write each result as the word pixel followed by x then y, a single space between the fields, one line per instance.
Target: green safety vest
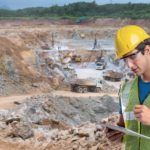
pixel 129 98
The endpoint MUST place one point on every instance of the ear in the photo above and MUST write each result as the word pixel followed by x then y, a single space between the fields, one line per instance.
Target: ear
pixel 147 50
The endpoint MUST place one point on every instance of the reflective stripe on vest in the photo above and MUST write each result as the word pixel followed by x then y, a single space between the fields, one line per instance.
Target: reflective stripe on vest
pixel 128 116
pixel 124 102
pixel 124 96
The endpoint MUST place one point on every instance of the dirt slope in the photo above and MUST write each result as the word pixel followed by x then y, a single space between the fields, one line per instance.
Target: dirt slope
pixel 17 71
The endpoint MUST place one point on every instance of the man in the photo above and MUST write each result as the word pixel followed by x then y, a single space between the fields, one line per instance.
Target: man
pixel 133 46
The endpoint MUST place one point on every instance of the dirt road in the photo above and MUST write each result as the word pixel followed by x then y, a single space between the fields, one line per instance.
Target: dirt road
pixel 8 102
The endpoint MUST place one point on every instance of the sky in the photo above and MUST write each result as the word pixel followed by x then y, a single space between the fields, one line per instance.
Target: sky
pixel 19 4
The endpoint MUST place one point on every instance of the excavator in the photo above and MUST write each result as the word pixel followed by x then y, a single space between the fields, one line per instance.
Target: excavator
pixel 76 58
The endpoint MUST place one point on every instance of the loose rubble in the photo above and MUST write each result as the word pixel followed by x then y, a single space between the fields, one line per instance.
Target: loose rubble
pixel 58 122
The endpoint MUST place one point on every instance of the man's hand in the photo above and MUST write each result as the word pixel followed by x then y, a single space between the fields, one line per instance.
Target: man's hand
pixel 142 113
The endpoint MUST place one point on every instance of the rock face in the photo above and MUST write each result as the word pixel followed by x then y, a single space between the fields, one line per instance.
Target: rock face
pixel 55 122
pixel 21 72
pixel 16 68
pixel 11 61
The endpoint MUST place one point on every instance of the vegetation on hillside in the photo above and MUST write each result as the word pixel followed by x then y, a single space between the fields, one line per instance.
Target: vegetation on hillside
pixel 81 11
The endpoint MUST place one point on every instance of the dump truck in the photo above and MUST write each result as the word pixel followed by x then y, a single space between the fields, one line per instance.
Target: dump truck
pixel 86 85
pixel 100 63
pixel 111 75
pixel 100 66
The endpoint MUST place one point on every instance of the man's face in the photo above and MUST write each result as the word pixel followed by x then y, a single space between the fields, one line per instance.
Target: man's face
pixel 137 62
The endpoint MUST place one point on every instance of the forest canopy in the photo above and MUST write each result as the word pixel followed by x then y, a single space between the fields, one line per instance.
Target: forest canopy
pixel 81 11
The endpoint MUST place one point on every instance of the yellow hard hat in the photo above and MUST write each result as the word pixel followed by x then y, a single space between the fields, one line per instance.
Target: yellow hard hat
pixel 128 38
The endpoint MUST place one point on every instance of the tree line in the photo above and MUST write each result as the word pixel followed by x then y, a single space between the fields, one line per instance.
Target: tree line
pixel 82 10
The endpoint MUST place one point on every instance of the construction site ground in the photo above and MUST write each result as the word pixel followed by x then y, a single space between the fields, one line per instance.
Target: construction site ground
pixel 38 110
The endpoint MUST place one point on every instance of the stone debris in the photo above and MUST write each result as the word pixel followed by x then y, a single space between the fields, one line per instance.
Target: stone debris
pixel 55 122
pixel 20 129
